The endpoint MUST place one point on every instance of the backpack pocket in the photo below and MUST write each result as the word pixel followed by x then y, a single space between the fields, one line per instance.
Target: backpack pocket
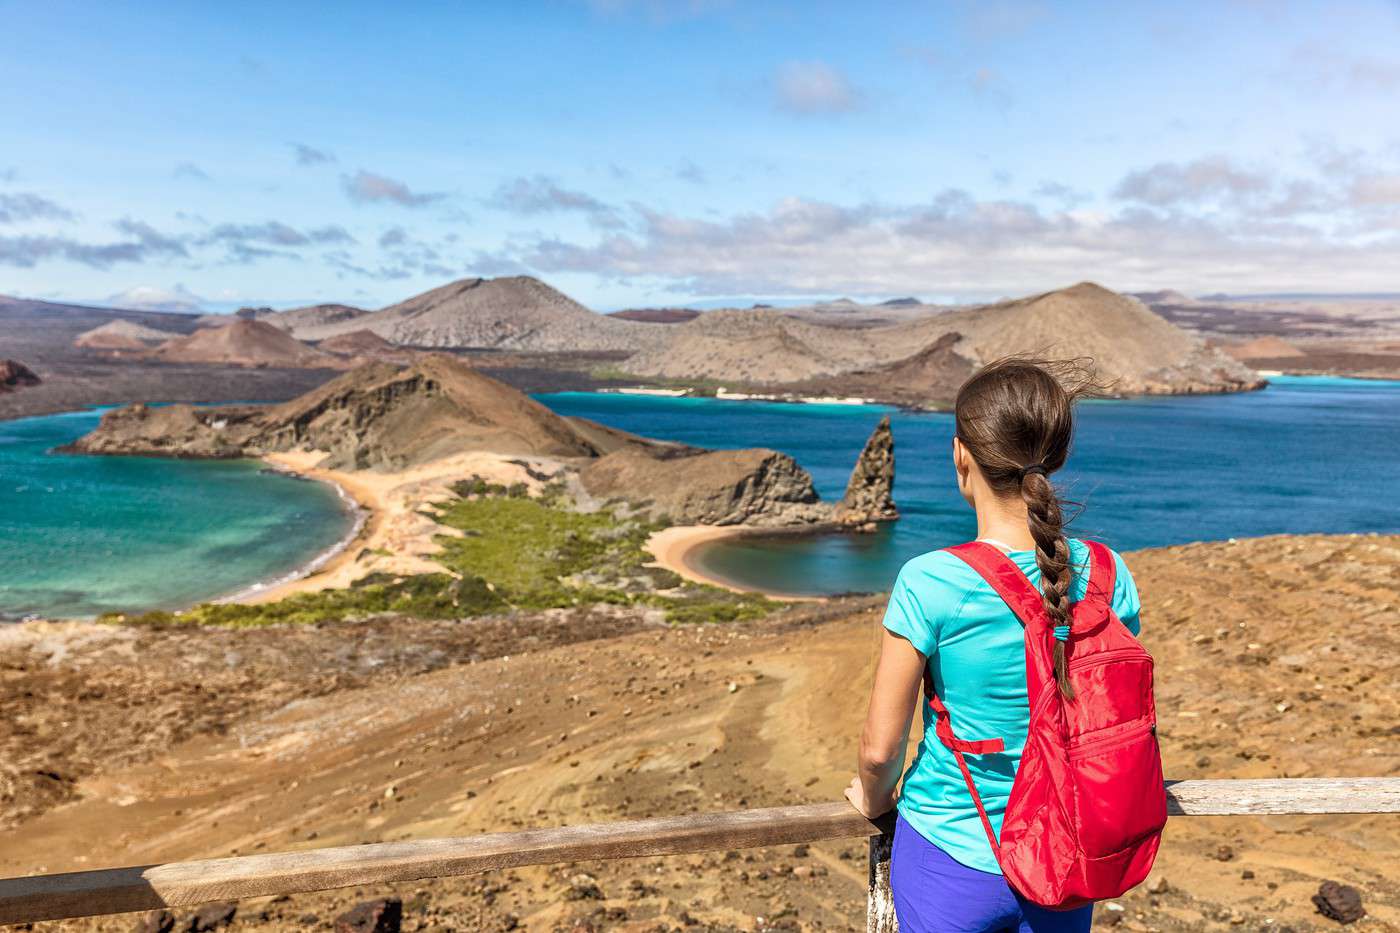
pixel 1113 689
pixel 1117 779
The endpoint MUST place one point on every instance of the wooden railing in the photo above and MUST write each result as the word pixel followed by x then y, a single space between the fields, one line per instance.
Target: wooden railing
pixel 182 884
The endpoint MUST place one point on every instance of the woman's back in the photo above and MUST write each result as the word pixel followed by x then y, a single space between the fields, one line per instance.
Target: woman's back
pixel 976 655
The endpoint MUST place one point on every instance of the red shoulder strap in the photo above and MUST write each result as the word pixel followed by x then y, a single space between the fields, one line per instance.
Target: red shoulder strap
pixel 1002 575
pixel 1102 571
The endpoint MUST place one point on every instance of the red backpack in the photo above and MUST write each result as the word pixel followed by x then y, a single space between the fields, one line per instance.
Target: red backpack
pixel 1087 806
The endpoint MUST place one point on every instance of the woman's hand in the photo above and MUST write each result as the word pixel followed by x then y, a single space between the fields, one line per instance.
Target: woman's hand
pixel 870 809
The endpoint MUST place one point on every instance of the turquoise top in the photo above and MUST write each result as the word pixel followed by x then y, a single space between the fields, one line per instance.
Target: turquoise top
pixel 973 643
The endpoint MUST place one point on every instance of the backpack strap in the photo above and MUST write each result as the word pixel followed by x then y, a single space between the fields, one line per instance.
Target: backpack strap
pixel 1002 574
pixel 1103 570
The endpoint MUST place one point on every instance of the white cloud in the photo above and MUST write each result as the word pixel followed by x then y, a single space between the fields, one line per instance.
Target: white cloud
pixel 156 298
pixel 810 88
pixel 367 187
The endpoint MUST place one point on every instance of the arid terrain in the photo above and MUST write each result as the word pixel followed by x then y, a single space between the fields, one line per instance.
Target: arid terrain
pixel 128 745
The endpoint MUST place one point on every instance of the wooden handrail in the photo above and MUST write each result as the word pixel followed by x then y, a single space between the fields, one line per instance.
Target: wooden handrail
pixel 179 884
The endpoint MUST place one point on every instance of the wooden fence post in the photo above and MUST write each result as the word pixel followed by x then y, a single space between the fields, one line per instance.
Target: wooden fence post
pixel 879 903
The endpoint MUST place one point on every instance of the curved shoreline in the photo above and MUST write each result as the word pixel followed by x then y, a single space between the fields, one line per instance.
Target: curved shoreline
pixel 360 513
pixel 675 548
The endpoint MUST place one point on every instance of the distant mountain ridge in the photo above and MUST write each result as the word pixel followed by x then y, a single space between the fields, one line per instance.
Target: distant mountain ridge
pixel 516 313
pixel 1133 350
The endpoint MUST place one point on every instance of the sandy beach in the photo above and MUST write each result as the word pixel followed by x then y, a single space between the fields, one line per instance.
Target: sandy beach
pixel 674 549
pixel 395 537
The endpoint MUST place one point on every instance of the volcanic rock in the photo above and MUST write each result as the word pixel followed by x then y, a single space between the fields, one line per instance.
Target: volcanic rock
pixel 384 915
pixel 717 487
pixel 15 375
pixel 869 493
pixel 1339 902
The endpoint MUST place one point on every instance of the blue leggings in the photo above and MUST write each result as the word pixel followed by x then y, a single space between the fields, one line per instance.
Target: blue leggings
pixel 934 893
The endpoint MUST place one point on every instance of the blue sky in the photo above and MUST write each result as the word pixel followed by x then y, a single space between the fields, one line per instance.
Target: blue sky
pixel 665 151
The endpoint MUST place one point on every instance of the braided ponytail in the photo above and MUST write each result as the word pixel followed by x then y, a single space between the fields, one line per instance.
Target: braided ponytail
pixel 1016 419
pixel 1046 521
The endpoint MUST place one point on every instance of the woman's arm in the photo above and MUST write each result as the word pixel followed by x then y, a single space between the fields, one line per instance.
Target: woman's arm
pixel 898 676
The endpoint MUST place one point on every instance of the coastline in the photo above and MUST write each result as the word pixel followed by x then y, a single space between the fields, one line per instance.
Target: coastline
pixel 674 549
pixel 362 514
pixel 395 535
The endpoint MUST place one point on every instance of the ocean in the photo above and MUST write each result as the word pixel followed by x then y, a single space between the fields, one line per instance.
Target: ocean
pixel 1307 454
pixel 83 535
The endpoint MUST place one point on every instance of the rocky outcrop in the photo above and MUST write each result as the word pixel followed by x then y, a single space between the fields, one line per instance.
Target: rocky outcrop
pixel 715 487
pixel 381 417
pixel 870 492
pixel 15 375
pixel 203 433
pixel 376 416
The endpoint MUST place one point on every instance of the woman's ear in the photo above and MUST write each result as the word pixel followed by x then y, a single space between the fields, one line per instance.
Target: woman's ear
pixel 962 465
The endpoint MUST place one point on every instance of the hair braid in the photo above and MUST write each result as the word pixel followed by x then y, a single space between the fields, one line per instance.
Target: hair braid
pixel 1046 521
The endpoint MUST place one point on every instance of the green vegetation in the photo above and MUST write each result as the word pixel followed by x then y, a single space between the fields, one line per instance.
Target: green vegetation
pixel 515 552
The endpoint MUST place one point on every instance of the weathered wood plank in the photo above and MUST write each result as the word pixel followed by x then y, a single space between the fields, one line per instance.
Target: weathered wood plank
pixel 78 894
pixel 89 893
pixel 1283 796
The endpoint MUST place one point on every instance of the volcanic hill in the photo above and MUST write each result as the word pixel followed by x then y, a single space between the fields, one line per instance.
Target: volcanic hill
pixel 517 312
pixel 118 334
pixel 244 342
pixel 1133 350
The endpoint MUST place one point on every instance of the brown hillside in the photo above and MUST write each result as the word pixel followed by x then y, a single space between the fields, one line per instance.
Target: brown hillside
pixel 243 343
pixel 927 379
pixel 518 312
pixel 1133 350
pixel 752 346
pixel 122 335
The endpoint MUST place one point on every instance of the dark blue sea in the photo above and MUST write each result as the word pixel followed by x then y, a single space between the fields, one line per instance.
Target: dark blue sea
pixel 1307 454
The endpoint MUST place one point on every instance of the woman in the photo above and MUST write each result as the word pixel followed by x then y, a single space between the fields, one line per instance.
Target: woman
pixel 1014 423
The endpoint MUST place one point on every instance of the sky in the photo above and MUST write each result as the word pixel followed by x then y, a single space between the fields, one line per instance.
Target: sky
pixel 662 152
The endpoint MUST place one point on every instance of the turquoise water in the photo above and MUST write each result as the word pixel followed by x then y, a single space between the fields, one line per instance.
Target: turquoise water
pixel 1307 454
pixel 85 535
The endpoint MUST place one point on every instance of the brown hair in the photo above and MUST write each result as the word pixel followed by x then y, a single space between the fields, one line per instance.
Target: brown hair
pixel 1016 414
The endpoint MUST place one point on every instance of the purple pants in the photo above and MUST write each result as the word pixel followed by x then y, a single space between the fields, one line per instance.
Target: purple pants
pixel 934 893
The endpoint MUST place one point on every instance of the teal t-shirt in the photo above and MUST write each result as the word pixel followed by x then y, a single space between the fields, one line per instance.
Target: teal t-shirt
pixel 974 646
